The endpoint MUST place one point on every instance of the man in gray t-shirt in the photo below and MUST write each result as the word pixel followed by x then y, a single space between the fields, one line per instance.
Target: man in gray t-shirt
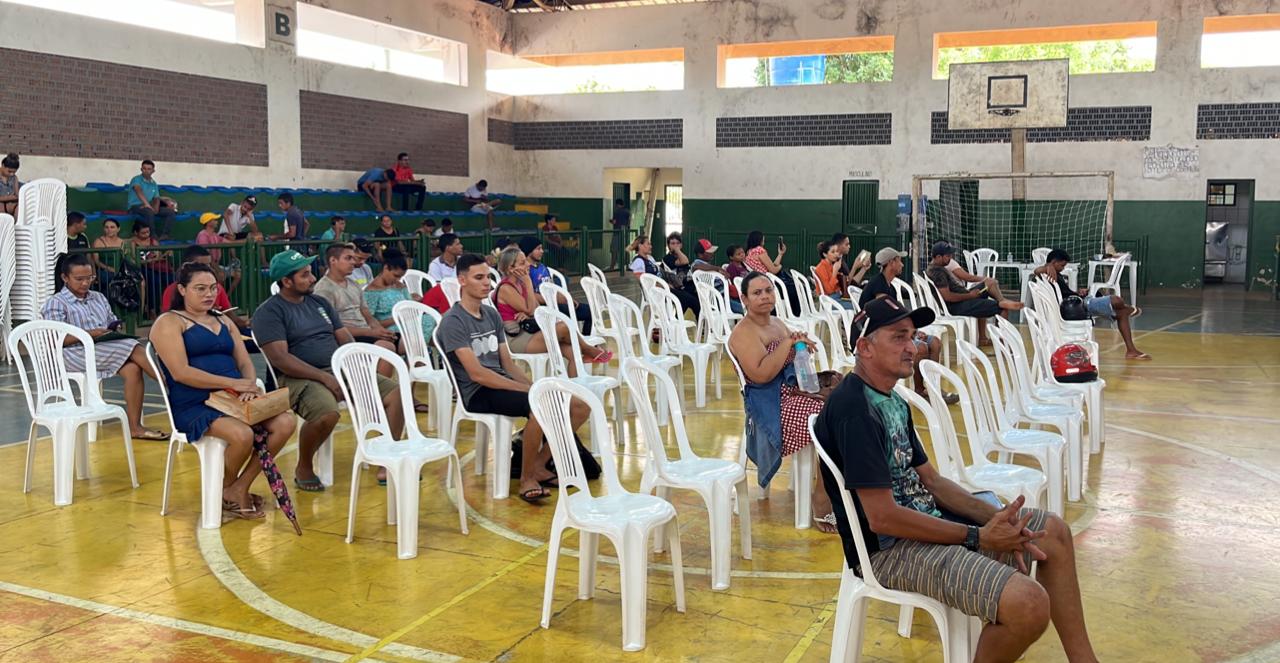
pixel 471 335
pixel 298 333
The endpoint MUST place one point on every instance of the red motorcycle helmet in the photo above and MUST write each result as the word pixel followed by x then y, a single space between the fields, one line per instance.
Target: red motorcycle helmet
pixel 1071 363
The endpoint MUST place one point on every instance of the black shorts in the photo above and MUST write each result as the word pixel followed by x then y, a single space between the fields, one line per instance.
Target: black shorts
pixel 982 307
pixel 505 402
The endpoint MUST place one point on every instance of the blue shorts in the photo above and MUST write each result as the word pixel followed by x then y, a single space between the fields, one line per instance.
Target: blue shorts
pixel 1100 307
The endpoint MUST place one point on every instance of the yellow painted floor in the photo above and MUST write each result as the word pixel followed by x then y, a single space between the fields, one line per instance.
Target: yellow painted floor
pixel 1177 543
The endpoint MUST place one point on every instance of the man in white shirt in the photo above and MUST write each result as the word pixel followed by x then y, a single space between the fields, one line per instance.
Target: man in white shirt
pixel 445 265
pixel 238 221
pixel 477 195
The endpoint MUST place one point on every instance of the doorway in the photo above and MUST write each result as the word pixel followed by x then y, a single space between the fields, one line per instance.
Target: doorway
pixel 673 194
pixel 1227 222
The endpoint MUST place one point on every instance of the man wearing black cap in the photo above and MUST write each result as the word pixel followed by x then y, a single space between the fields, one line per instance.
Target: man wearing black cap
pixel 539 273
pixel 977 303
pixel 928 346
pixel 927 534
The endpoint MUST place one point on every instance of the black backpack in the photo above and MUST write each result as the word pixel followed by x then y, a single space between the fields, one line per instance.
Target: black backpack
pixel 125 289
pixel 1073 308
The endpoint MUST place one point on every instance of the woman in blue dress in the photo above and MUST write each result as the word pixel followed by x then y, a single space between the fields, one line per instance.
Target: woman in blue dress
pixel 202 352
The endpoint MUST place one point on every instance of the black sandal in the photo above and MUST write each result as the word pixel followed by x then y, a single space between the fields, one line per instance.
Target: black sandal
pixel 535 495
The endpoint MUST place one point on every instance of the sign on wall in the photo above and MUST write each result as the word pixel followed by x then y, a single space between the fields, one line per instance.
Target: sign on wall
pixel 1168 161
pixel 282 24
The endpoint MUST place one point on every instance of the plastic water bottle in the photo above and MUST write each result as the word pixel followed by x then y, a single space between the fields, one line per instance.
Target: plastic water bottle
pixel 806 372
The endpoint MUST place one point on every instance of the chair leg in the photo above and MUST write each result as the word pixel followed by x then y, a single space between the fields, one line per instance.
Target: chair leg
pixel 677 563
pixel 633 563
pixel 211 452
pixel 743 511
pixel 1071 428
pixel 482 443
pixel 549 586
pixel 323 459
pixel 64 444
pixel 588 546
pixel 1054 469
pixel 455 473
pixel 31 458
pixel 700 379
pixel 664 493
pixel 168 474
pixel 720 511
pixel 802 472
pixel 407 495
pixel 846 631
pixel 906 614
pixel 502 458
pixel 354 499
pixel 82 452
pixel 128 452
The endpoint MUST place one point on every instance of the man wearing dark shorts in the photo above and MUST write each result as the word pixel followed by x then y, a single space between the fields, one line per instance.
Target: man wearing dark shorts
pixel 960 300
pixel 298 333
pixel 925 533
pixel 475 345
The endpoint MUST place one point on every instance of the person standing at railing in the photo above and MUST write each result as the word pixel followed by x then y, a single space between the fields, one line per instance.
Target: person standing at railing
pixel 78 305
pixel 445 265
pixel 295 222
pixel 621 231
pixel 145 203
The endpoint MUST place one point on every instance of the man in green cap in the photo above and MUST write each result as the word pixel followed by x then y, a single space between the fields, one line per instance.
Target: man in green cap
pixel 298 333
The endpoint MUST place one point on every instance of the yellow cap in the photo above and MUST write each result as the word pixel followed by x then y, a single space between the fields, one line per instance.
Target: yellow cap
pixel 209 216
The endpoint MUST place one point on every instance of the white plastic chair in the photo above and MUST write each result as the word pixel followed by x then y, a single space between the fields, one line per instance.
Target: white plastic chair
pixel 8 274
pixel 322 459
pixel 837 322
pixel 982 260
pixel 602 316
pixel 45 199
pixel 675 341
pixel 782 308
pixel 212 455
pixel 1004 479
pixel 597 274
pixel 998 435
pixel 408 316
pixel 802 469
pixel 600 385
pixel 275 288
pixel 558 278
pixel 962 326
pixel 418 282
pixel 495 426
pixel 1042 374
pixel 956 628
pixel 495 276
pixel 650 286
pixel 1047 300
pixel 626 314
pixel 452 290
pixel 625 518
pixel 714 479
pixel 552 293
pixel 1039 256
pixel 719 286
pixel 855 296
pixel 356 367
pixel 1047 406
pixel 1112 284
pixel 51 403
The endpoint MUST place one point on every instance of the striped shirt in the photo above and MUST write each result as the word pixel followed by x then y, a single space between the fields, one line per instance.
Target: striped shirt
pixel 92 312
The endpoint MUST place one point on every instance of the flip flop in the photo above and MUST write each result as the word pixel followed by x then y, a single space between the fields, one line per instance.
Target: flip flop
pixel 1137 311
pixel 535 495
pixel 312 485
pixel 829 519
pixel 234 509
pixel 1142 356
pixel 421 407
pixel 151 434
pixel 603 358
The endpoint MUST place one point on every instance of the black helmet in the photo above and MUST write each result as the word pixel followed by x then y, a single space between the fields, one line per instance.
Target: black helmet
pixel 1073 308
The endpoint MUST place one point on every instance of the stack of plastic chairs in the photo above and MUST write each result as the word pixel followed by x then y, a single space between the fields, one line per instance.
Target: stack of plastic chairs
pixel 40 234
pixel 8 272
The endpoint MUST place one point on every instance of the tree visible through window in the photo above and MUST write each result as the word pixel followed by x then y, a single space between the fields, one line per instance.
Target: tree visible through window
pixel 842 68
pixel 1087 57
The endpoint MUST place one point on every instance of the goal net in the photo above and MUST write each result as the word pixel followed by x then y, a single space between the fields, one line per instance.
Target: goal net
pixel 1014 215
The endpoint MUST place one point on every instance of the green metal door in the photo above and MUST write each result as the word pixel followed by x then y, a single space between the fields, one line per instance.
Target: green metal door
pixel 858 206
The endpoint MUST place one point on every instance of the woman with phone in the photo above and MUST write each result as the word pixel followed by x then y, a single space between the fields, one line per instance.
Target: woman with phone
pixel 78 305
pixel 758 260
pixel 200 352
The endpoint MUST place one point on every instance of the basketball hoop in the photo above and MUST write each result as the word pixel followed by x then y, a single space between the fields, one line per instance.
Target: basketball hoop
pixel 1004 112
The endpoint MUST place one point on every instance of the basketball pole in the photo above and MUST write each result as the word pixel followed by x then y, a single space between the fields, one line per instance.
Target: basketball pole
pixel 1018 161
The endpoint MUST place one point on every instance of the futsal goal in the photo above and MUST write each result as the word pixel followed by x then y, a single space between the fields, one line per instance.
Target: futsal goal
pixel 1015 213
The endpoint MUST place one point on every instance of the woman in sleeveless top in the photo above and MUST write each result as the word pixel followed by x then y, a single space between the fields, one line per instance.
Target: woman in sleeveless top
pixel 763 347
pixel 201 353
pixel 516 301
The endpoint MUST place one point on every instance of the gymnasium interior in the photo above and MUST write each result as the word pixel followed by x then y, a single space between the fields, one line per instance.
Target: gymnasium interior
pixel 1141 138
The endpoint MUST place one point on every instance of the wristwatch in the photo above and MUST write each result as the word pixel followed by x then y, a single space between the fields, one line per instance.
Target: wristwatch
pixel 971 538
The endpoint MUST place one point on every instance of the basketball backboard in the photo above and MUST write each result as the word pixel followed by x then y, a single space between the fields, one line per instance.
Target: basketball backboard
pixel 1008 95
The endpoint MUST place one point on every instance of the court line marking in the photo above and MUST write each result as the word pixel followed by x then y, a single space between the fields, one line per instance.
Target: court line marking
pixel 1194 415
pixel 1187 320
pixel 1238 462
pixel 458 598
pixel 173 623
pixel 811 633
pixel 227 573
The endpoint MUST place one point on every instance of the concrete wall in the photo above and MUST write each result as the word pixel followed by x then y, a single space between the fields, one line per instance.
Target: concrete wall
pixel 480 26
pixel 1173 90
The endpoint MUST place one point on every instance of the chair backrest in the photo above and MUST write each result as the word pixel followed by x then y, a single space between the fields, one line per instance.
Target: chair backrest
pixel 408 316
pixel 49 383
pixel 270 369
pixel 940 438
pixel 934 375
pixel 1039 256
pixel 805 292
pixel 855 525
pixel 737 370
pixel 737 285
pixel 158 369
pixel 625 315
pixel 933 298
pixel 855 296
pixel 1117 270
pixel 355 365
pixel 547 319
pixel 781 299
pixel 45 199
pixel 452 290
pixel 549 400
pixel 1010 342
pixel 668 312
pixel 558 278
pixel 637 374
pixel 970 263
pixel 837 330
pixel 985 256
pixel 1011 381
pixel 904 293
pixel 1041 340
pixel 984 383
pixel 495 276
pixel 597 274
pixel 418 282
pixel 448 367
pixel 553 293
pixel 813 273
pixel 713 312
pixel 275 288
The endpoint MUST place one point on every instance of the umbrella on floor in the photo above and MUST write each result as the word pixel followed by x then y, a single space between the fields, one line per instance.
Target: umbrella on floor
pixel 272 473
